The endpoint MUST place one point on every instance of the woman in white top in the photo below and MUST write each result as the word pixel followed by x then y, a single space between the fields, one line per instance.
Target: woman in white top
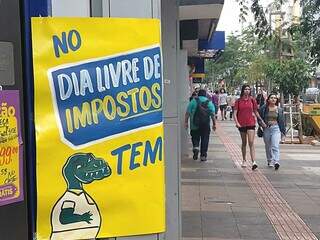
pixel 223 103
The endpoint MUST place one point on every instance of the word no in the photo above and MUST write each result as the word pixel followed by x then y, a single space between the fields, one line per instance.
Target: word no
pixel 72 41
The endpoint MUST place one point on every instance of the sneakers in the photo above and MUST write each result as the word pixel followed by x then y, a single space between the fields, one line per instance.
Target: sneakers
pixel 270 164
pixel 195 153
pixel 254 166
pixel 203 158
pixel 243 164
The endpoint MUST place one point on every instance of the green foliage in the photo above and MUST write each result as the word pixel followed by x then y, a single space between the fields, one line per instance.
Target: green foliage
pixel 262 26
pixel 292 76
pixel 302 47
pixel 247 60
pixel 310 27
pixel 256 71
pixel 227 65
pixel 242 61
pixel 254 57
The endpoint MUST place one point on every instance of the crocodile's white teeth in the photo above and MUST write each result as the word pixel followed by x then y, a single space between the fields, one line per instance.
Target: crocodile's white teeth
pixel 87 174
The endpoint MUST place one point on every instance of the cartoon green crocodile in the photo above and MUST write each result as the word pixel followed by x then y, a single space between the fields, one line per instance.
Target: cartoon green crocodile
pixel 75 215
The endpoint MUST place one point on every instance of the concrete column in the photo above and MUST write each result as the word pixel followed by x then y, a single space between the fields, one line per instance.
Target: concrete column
pixel 14 216
pixel 170 48
pixel 183 98
pixel 70 8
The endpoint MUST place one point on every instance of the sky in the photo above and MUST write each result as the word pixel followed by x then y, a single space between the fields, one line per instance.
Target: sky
pixel 229 19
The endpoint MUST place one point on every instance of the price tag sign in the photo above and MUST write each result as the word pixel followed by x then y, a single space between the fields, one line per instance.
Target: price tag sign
pixel 10 148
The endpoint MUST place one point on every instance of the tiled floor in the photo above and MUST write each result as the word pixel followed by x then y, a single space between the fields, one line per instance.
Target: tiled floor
pixel 220 200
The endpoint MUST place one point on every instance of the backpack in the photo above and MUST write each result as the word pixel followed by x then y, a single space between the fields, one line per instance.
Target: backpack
pixel 201 116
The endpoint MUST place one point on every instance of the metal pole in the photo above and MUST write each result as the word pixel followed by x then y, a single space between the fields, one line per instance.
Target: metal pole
pixel 290 114
pixel 300 126
pixel 280 58
pixel 270 50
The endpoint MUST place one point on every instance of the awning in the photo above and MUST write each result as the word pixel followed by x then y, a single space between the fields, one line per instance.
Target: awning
pixel 198 20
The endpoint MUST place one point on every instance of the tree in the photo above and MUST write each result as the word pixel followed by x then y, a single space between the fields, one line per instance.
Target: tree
pixel 309 27
pixel 257 71
pixel 256 56
pixel 291 76
pixel 227 65
pixel 243 60
pixel 290 72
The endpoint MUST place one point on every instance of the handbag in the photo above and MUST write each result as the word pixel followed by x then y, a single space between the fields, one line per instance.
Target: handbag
pixel 260 132
pixel 260 129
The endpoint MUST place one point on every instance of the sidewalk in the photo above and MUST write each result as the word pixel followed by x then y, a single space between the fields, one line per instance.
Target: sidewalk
pixel 220 200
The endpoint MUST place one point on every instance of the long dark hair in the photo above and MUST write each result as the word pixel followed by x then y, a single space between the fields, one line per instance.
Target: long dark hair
pixel 272 94
pixel 242 89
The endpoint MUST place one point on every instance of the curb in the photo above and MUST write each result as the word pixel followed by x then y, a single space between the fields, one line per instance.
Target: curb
pixel 315 143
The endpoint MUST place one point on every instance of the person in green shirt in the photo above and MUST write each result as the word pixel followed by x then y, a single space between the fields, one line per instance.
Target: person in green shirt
pixel 200 133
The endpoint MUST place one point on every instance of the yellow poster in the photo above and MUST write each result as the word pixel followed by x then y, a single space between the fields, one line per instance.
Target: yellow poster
pixel 99 129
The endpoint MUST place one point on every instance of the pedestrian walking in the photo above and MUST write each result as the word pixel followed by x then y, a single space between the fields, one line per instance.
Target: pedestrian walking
pixel 193 95
pixel 260 98
pixel 215 101
pixel 196 88
pixel 209 94
pixel 223 103
pixel 244 116
pixel 231 102
pixel 199 111
pixel 273 116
